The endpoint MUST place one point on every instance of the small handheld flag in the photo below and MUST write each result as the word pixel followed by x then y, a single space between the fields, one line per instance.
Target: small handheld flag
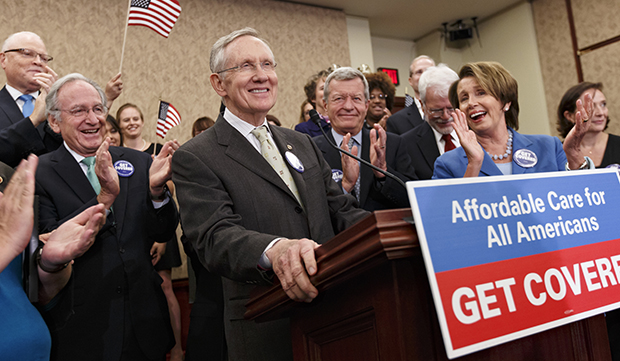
pixel 159 15
pixel 168 117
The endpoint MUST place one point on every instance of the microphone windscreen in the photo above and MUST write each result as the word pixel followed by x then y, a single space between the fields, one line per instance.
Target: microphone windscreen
pixel 314 117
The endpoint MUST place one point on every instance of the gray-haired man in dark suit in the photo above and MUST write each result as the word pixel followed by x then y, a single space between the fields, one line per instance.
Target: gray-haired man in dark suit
pixel 248 215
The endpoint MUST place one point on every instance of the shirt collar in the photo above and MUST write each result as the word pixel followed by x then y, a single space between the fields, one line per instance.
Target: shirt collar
pixel 241 125
pixel 16 93
pixel 338 137
pixel 78 158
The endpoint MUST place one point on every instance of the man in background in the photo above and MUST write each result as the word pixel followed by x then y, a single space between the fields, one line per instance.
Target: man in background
pixel 347 99
pixel 23 125
pixel 435 136
pixel 412 116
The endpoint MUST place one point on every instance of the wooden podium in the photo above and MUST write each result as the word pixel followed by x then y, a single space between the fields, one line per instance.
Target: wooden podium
pixel 375 303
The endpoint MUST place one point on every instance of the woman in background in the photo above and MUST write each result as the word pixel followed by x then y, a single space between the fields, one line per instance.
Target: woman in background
pixel 382 92
pixel 113 131
pixel 165 255
pixel 603 148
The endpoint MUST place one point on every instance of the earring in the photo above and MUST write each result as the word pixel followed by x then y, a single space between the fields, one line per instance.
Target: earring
pixel 506 109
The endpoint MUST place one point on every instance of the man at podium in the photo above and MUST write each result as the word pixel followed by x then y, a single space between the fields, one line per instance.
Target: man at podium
pixel 256 200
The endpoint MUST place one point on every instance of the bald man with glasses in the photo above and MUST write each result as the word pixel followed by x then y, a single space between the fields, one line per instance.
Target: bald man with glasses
pixel 23 125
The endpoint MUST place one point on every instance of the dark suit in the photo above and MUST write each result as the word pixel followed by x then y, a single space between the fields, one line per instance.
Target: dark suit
pixel 404 120
pixel 18 136
pixel 233 205
pixel 374 194
pixel 114 286
pixel 422 148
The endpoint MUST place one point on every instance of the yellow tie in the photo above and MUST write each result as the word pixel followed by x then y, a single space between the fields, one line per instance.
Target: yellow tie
pixel 274 158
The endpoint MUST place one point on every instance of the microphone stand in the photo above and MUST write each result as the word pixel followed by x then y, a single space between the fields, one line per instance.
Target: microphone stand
pixel 316 119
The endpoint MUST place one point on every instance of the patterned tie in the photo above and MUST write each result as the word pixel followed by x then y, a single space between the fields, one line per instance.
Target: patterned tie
pixel 449 145
pixel 28 107
pixel 90 173
pixel 274 158
pixel 356 188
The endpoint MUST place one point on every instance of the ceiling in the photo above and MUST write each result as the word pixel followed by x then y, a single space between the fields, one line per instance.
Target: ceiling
pixel 412 19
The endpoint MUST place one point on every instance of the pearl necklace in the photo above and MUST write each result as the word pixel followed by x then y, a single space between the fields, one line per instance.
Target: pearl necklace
pixel 508 149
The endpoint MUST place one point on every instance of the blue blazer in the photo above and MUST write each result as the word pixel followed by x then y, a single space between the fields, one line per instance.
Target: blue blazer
pixel 548 150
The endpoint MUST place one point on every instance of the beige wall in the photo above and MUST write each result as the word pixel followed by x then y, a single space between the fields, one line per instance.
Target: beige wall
pixel 86 36
pixel 360 46
pixel 393 53
pixel 595 21
pixel 509 38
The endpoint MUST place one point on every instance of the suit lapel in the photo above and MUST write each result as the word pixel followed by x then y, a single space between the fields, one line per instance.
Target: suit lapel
pixel 284 145
pixel 120 203
pixel 428 145
pixel 71 172
pixel 520 142
pixel 9 107
pixel 241 151
pixel 365 171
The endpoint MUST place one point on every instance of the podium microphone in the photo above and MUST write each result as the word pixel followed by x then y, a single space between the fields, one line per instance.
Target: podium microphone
pixel 316 119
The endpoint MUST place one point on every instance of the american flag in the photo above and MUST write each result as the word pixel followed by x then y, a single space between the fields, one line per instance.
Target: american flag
pixel 159 15
pixel 408 100
pixel 168 118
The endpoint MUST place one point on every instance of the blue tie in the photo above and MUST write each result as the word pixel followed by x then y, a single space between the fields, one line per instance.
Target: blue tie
pixel 28 107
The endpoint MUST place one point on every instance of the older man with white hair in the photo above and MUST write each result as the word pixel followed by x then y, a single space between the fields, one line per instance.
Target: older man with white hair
pixel 255 199
pixel 436 135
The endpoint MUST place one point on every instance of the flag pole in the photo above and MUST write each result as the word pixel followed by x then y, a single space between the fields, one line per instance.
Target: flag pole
pixel 125 37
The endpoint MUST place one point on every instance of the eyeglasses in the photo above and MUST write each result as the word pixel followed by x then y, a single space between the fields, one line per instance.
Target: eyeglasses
pixel 247 67
pixel 339 99
pixel 31 54
pixel 80 112
pixel 380 96
pixel 439 112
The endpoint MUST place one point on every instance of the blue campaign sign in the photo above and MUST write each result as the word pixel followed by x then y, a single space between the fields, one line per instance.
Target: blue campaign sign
pixel 486 219
pixel 510 256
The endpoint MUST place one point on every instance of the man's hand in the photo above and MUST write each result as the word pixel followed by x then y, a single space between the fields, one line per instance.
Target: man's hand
pixel 293 262
pixel 16 211
pixel 108 177
pixel 113 89
pixel 161 169
pixel 45 80
pixel 73 238
pixel 378 139
pixel 350 166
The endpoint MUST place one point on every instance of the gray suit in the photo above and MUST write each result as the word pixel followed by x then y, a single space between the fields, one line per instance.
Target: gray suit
pixel 233 205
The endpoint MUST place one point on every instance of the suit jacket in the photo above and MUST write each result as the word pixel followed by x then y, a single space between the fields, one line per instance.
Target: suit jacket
pixel 18 136
pixel 422 149
pixel 114 286
pixel 404 120
pixel 233 204
pixel 374 194
pixel 549 152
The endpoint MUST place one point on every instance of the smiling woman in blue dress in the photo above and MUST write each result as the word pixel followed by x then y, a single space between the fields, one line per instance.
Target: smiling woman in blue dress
pixel 485 99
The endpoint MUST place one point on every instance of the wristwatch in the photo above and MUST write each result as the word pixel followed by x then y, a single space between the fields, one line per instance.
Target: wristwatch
pixel 39 252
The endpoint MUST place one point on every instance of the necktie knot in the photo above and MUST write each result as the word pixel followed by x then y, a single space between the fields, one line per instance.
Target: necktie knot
pixel 28 107
pixel 449 144
pixel 260 133
pixel 89 161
